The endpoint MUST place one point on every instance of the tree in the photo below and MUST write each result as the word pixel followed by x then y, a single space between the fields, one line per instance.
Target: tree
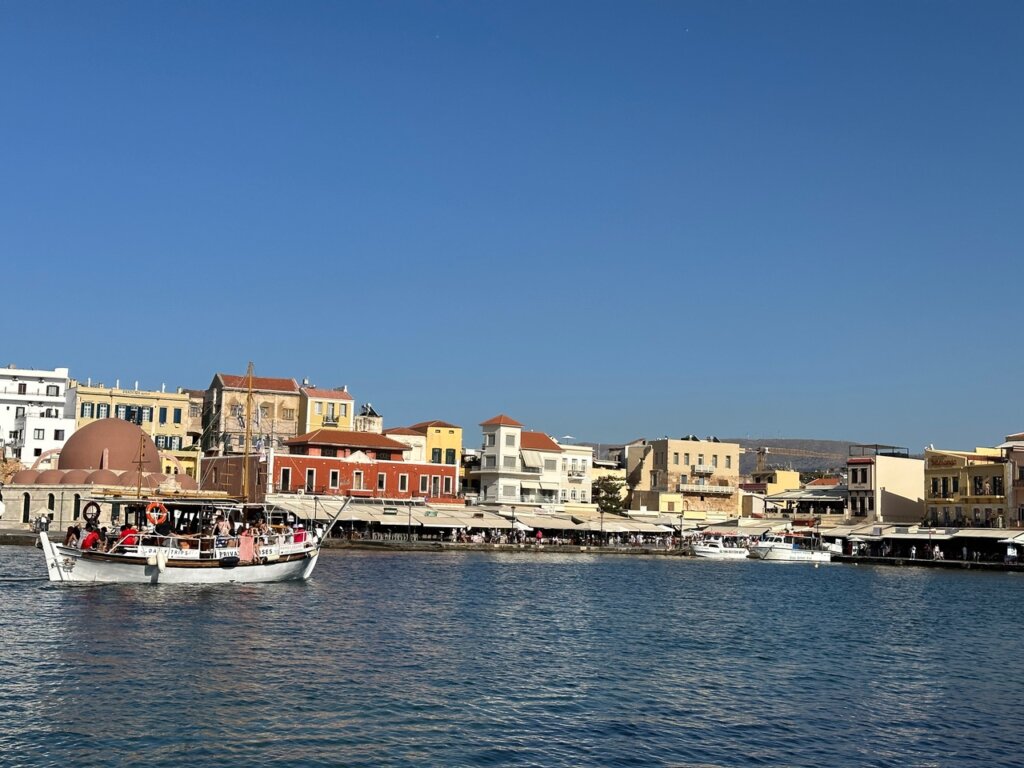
pixel 606 492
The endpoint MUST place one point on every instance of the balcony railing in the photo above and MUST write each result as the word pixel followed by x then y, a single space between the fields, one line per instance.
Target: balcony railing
pixel 330 421
pixel 725 490
pixel 702 469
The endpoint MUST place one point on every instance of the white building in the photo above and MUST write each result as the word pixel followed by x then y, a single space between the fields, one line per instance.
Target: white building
pixel 33 412
pixel 520 467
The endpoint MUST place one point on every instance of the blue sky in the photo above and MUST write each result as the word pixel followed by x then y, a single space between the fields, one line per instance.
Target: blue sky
pixel 609 220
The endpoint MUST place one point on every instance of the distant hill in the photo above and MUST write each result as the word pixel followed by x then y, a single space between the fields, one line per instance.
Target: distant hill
pixel 834 453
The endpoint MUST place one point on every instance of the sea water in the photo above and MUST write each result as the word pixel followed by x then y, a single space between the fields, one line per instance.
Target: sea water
pixel 475 659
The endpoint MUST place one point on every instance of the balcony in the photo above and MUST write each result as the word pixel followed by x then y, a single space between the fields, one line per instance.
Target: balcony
pixel 724 490
pixel 330 421
pixel 577 475
pixel 703 469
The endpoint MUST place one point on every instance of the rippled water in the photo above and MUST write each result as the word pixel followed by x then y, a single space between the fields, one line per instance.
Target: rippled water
pixel 488 659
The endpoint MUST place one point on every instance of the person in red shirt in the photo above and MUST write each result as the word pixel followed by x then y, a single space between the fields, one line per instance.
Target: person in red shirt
pixel 92 538
pixel 128 537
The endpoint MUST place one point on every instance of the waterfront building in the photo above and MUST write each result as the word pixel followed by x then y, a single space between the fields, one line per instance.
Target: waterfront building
pixel 274 413
pixel 332 462
pixel 697 479
pixel 444 441
pixel 325 409
pixel 885 485
pixel 1013 449
pixel 33 412
pixel 969 488
pixel 523 467
pixel 764 483
pixel 416 441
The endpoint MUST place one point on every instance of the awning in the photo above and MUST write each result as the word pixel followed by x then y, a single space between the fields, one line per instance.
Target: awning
pixel 532 459
pixel 546 523
pixel 549 486
pixel 531 484
pixel 399 519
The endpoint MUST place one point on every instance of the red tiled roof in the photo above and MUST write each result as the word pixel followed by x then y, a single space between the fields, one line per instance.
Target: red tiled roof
pixel 423 425
pixel 403 431
pixel 501 420
pixel 829 481
pixel 538 441
pixel 326 394
pixel 347 439
pixel 261 383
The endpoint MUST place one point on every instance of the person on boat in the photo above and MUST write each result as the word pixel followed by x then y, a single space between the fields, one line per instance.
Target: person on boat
pixel 287 533
pixel 222 530
pixel 92 538
pixel 128 537
pixel 74 533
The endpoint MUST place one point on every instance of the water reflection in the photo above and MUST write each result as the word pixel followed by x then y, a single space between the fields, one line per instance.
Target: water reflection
pixel 472 659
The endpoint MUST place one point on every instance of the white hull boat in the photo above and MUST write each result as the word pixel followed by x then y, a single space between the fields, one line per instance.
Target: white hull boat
pixel 716 549
pixel 181 557
pixel 790 549
pixel 170 565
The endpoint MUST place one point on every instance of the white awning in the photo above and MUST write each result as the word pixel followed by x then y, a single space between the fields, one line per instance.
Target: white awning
pixel 531 484
pixel 549 486
pixel 532 459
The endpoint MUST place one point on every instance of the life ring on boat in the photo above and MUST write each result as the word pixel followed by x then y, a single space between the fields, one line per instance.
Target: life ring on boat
pixel 159 517
pixel 91 512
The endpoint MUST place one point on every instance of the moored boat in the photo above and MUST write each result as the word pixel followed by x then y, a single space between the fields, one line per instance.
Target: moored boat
pixel 719 549
pixel 790 547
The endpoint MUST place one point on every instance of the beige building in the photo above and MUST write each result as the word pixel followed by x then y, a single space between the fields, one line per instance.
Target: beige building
pixel 885 485
pixel 274 412
pixel 696 479
pixel 969 488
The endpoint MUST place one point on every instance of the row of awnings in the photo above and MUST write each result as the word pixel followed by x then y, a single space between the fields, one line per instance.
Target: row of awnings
pixel 535 485
pixel 424 516
pixel 892 532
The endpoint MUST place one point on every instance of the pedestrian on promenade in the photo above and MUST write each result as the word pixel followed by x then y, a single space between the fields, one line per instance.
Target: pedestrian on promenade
pixel 913 551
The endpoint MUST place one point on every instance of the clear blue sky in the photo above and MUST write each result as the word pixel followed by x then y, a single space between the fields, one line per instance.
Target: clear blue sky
pixel 609 220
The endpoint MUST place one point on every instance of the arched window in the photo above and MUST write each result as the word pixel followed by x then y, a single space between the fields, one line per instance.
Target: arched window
pixel 51 500
pixel 78 505
pixel 25 507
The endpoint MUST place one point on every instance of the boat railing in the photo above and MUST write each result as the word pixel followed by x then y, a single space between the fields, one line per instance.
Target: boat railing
pixel 204 546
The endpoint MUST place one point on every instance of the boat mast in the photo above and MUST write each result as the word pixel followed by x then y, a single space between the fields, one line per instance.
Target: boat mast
pixel 248 438
pixel 139 464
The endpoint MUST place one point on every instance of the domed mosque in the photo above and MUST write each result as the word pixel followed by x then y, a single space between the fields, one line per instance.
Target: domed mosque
pixel 109 453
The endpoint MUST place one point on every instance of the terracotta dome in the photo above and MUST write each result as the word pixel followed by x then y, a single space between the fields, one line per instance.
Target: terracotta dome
pixel 187 483
pixel 49 477
pixel 75 477
pixel 130 479
pixel 103 477
pixel 119 439
pixel 25 477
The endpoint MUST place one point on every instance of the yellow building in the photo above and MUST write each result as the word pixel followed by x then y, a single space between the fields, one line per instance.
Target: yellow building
pixel 764 483
pixel 164 416
pixel 444 442
pixel 968 488
pixel 324 409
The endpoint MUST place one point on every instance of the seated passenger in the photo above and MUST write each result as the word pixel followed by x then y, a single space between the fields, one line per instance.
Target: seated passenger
pixel 92 538
pixel 72 536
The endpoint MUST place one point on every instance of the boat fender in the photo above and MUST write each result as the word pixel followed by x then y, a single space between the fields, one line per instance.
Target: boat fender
pixel 161 561
pixel 151 560
pixel 228 562
pixel 272 557
pixel 156 513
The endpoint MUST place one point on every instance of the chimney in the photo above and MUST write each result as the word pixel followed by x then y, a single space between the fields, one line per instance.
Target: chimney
pixel 117 383
pixel 136 385
pixel 344 387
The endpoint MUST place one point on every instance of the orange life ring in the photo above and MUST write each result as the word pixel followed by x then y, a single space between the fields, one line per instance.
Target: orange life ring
pixel 156 519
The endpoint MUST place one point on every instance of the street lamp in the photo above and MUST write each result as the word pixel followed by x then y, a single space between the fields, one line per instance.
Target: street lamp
pixel 513 536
